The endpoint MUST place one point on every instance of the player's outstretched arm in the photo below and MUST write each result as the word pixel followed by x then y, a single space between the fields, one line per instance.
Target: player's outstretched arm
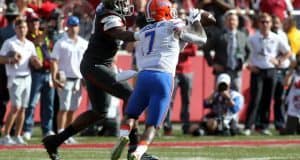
pixel 121 34
pixel 195 34
pixel 114 27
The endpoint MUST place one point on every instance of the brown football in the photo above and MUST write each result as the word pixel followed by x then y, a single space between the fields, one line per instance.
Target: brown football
pixel 207 19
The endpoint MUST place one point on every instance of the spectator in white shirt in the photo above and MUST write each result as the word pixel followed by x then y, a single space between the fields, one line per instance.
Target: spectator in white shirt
pixel 279 8
pixel 268 51
pixel 18 54
pixel 66 58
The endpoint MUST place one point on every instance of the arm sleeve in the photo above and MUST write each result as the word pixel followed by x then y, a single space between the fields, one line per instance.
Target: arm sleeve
pixel 193 38
pixel 283 46
pixel 55 52
pixel 238 104
pixel 33 50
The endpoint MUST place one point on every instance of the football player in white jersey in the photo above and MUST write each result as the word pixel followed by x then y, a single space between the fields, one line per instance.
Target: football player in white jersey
pixel 157 54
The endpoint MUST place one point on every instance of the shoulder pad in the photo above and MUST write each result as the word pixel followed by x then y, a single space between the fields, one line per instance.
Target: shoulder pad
pixel 112 21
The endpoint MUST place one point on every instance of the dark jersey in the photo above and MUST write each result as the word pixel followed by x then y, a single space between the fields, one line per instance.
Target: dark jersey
pixel 102 48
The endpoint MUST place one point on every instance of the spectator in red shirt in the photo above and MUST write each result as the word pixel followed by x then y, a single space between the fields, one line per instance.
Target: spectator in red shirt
pixel 279 8
pixel 43 9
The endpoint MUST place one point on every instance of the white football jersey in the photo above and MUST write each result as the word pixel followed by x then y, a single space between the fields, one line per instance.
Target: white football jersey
pixel 158 48
pixel 294 97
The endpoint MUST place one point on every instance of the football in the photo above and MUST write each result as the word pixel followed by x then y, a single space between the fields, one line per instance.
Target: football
pixel 207 18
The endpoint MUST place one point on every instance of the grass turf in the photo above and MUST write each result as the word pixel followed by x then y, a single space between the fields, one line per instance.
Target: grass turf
pixel 274 152
pixel 195 153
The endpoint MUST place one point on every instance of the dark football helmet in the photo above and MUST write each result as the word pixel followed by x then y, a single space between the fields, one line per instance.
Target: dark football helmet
pixel 123 7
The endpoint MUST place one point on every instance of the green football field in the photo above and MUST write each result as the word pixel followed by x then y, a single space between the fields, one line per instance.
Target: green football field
pixel 177 147
pixel 195 153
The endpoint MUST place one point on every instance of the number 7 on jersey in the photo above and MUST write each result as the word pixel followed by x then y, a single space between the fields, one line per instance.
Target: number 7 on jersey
pixel 151 35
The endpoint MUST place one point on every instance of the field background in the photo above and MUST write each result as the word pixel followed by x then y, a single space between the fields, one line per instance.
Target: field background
pixel 177 147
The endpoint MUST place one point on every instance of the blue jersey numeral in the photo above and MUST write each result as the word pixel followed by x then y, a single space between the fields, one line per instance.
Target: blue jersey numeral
pixel 150 34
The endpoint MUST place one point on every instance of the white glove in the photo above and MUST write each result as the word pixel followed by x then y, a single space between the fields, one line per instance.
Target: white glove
pixel 194 15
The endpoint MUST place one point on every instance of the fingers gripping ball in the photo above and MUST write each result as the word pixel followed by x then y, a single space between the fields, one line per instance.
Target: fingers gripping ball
pixel 206 18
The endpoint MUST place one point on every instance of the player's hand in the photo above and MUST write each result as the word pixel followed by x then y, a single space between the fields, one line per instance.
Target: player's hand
pixel 194 15
pixel 205 17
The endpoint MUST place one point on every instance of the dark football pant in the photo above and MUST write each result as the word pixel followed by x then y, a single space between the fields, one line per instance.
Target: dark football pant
pixel 100 82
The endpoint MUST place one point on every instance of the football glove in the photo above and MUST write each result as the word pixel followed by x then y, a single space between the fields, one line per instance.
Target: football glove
pixel 194 15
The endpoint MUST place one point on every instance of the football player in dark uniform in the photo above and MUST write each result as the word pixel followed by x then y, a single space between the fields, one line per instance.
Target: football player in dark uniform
pixel 109 29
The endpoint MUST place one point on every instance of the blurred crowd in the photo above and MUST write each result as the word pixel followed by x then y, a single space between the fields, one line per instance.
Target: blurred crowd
pixel 42 43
